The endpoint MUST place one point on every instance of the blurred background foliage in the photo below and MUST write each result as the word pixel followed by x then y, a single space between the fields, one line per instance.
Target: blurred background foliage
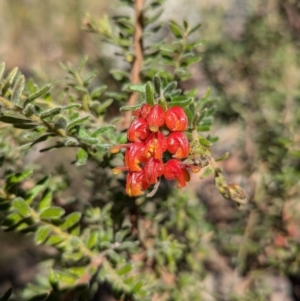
pixel 251 62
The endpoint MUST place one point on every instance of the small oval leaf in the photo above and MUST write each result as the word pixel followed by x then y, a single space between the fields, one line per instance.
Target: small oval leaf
pixel 22 207
pixel 52 213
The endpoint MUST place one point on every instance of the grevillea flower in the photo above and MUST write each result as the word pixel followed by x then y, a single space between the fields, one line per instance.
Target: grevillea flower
pixel 176 119
pixel 155 145
pixel 176 170
pixel 154 169
pixel 144 158
pixel 178 145
pixel 134 155
pixel 143 111
pixel 135 183
pixel 138 130
pixel 156 118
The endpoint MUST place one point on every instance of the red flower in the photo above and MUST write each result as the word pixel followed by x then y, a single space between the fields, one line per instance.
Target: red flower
pixel 176 119
pixel 178 145
pixel 135 183
pixel 176 170
pixel 143 111
pixel 134 155
pixel 156 145
pixel 154 169
pixel 156 118
pixel 138 130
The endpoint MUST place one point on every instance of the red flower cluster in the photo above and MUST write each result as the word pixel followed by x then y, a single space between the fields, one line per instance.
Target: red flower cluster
pixel 144 153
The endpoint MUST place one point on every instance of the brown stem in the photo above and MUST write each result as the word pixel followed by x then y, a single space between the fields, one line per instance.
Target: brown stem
pixel 138 60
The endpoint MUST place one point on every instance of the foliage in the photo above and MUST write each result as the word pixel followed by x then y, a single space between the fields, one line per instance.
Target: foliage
pixel 143 248
pixel 57 186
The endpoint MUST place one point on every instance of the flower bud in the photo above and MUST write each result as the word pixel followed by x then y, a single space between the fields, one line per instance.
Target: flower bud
pixel 176 170
pixel 154 169
pixel 156 118
pixel 138 130
pixel 176 119
pixel 178 145
pixel 135 183
pixel 156 145
pixel 134 155
pixel 143 111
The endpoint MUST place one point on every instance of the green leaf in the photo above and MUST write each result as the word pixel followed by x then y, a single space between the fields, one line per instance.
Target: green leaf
pixel 203 128
pixel 97 92
pixel 8 81
pixel 57 145
pixel 208 171
pixel 119 75
pixel 176 29
pixel 53 279
pixel 82 63
pixel 103 130
pixel 42 138
pixel 90 78
pixel 18 90
pixel 37 94
pixel 170 86
pixel 167 48
pixel 223 157
pixel 25 126
pixel 153 18
pixel 37 189
pixel 130 108
pixel 71 142
pixel 181 101
pixel 204 142
pixel 9 119
pixel 50 112
pixel 93 239
pixel 22 207
pixel 46 200
pixel 125 269
pixel 40 297
pixel 137 287
pixel 157 84
pixel 195 28
pixel 81 157
pixel 52 213
pixel 136 88
pixel 77 121
pixel 149 94
pixel 18 177
pixel 71 220
pixel 104 105
pixel 6 295
pixel 42 234
pixel 72 106
pixel 54 240
pixel 190 60
pixel 65 279
pixel 12 219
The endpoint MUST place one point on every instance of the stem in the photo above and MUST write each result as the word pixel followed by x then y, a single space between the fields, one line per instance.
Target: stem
pixel 138 60
pixel 35 118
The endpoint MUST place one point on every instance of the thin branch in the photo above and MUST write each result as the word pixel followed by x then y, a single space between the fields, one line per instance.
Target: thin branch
pixel 138 60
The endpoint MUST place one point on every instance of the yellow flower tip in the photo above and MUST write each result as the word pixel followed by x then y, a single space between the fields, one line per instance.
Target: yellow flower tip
pixel 153 128
pixel 195 169
pixel 116 170
pixel 114 149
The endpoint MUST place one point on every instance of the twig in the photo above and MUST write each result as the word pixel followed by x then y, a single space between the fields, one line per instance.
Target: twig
pixel 138 60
